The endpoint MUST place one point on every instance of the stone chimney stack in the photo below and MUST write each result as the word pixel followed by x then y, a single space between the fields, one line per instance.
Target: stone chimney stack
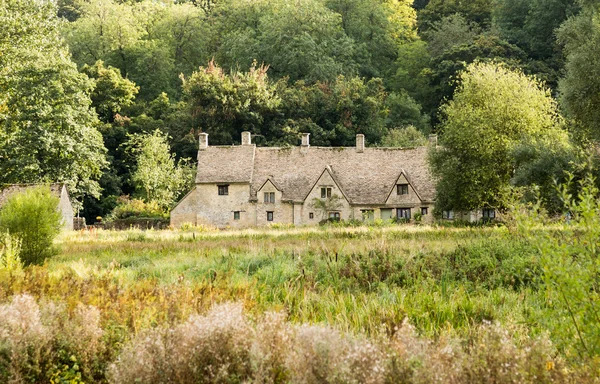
pixel 433 140
pixel 203 141
pixel 360 143
pixel 246 138
pixel 305 140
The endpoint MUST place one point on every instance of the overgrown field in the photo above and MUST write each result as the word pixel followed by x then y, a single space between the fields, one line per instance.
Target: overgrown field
pixel 364 304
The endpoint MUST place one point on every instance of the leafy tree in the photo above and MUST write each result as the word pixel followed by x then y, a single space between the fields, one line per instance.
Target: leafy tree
pixel 477 11
pixel 111 92
pixel 408 137
pixel 226 105
pixel 33 217
pixel 449 32
pixel 404 111
pixel 302 40
pixel 493 110
pixel 47 126
pixel 334 112
pixel 158 178
pixel 580 88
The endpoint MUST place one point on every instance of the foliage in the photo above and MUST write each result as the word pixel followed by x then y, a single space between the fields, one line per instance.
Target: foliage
pixel 226 105
pixel 10 247
pixel 111 92
pixel 408 137
pixel 326 205
pixel 580 88
pixel 127 208
pixel 570 266
pixel 47 127
pixel 32 216
pixel 158 178
pixel 494 109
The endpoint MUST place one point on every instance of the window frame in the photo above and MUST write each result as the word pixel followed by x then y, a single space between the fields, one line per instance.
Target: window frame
pixel 325 192
pixel 485 213
pixel 336 215
pixel 448 214
pixel 223 189
pixel 400 216
pixel 270 215
pixel 269 197
pixel 236 215
pixel 311 216
pixel 402 189
pixel 424 211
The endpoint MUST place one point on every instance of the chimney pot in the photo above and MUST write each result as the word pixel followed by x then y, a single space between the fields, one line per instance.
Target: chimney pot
pixel 360 143
pixel 203 141
pixel 305 140
pixel 246 138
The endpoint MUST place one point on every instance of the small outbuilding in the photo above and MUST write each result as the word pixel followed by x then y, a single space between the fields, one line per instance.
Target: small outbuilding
pixel 59 190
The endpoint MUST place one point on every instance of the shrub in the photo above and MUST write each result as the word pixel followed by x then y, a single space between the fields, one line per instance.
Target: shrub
pixel 33 217
pixel 10 247
pixel 134 208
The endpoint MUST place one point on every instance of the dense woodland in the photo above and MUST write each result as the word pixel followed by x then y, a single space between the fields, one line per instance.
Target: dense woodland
pixel 109 96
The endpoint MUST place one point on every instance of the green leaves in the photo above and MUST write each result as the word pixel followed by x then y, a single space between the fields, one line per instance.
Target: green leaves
pixel 493 110
pixel 47 125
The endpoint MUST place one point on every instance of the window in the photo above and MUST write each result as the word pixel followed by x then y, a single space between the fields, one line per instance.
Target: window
pixel 269 197
pixel 424 211
pixel 449 215
pixel 236 215
pixel 311 215
pixel 325 193
pixel 334 215
pixel 403 213
pixel 270 216
pixel 402 189
pixel 223 190
pixel 368 214
pixel 489 213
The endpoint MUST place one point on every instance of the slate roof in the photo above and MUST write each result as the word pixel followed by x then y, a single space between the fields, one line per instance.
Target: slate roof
pixel 7 190
pixel 365 178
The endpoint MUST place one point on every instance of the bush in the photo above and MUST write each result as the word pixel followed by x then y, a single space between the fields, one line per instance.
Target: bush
pixel 10 247
pixel 134 208
pixel 33 217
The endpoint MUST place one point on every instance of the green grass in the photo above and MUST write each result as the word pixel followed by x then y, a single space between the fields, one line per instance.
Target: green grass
pixel 445 280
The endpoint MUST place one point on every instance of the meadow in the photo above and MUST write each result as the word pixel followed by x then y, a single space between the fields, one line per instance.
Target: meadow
pixel 392 303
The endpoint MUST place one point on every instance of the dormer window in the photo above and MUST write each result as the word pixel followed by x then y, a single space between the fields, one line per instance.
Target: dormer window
pixel 325 193
pixel 269 197
pixel 402 189
pixel 223 190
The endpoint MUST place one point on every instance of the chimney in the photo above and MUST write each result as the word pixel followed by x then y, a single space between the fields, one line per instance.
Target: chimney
pixel 305 141
pixel 433 140
pixel 360 143
pixel 246 138
pixel 203 141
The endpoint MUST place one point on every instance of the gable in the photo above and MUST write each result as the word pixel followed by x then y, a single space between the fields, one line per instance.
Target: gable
pixel 326 180
pixel 411 198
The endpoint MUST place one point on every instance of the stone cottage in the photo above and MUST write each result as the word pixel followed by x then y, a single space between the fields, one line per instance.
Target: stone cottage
pixel 246 185
pixel 58 190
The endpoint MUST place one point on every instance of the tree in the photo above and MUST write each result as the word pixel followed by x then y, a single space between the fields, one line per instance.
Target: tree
pixel 47 126
pixel 408 137
pixel 226 105
pixel 157 177
pixel 580 88
pixel 477 11
pixel 111 92
pixel 302 40
pixel 494 109
pixel 33 217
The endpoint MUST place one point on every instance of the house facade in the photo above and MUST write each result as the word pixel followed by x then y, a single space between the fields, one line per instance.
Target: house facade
pixel 245 185
pixel 59 190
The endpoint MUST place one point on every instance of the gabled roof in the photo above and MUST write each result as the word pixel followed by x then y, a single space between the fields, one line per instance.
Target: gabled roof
pixel 7 190
pixel 365 178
